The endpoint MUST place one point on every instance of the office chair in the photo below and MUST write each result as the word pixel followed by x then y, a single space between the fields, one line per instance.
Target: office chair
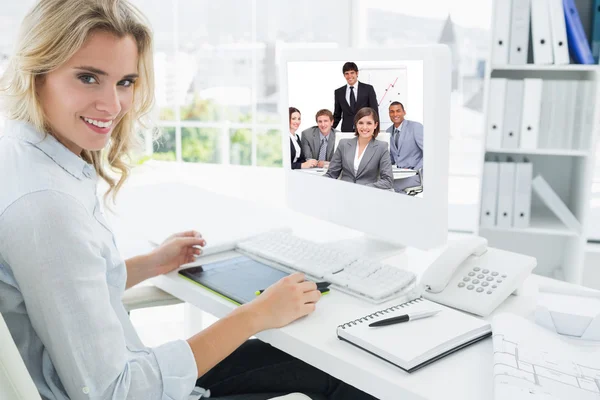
pixel 16 383
pixel 415 190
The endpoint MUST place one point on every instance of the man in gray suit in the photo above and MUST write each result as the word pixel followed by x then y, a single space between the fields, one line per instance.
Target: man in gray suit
pixel 318 142
pixel 406 145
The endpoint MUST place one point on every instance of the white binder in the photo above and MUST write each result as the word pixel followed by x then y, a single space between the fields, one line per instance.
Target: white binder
pixel 500 44
pixel 554 203
pixel 522 207
pixel 512 114
pixel 540 32
pixel 495 121
pixel 506 192
pixel 519 31
pixel 560 47
pixel 542 142
pixel 489 194
pixel 569 114
pixel 532 106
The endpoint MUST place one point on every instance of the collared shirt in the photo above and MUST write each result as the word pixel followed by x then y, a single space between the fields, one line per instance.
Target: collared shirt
pixel 296 146
pixel 348 92
pixel 396 132
pixel 62 279
pixel 357 158
pixel 321 137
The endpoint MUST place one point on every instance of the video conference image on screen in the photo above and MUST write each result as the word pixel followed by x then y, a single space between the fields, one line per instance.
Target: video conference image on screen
pixel 359 122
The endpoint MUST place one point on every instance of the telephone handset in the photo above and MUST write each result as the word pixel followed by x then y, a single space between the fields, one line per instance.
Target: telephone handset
pixel 472 277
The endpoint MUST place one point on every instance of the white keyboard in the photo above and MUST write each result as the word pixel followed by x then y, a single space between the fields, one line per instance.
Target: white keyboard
pixel 370 280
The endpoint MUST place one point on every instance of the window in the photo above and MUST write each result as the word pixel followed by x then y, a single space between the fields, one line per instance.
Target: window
pixel 216 74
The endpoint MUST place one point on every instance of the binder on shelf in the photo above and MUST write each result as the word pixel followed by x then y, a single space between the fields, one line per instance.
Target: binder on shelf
pixel 570 99
pixel 560 46
pixel 519 32
pixel 596 31
pixel 579 112
pixel 495 123
pixel 532 106
pixel 540 32
pixel 555 204
pixel 512 114
pixel 489 194
pixel 559 105
pixel 578 43
pixel 545 114
pixel 522 207
pixel 589 106
pixel 506 191
pixel 500 43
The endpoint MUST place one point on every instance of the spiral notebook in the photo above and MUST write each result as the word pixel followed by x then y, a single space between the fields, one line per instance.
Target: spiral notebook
pixel 414 344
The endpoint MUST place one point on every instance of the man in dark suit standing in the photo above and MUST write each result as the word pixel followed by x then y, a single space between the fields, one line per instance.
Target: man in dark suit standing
pixel 352 97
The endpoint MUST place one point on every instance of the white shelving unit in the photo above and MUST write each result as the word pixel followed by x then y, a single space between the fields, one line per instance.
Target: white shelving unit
pixel 560 251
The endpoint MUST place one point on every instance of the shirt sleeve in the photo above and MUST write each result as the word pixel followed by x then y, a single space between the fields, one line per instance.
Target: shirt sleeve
pixel 419 141
pixel 47 238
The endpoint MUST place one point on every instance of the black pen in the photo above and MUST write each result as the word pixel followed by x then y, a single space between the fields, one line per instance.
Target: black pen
pixel 404 318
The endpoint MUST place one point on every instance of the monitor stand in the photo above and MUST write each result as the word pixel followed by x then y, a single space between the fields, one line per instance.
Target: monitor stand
pixel 368 247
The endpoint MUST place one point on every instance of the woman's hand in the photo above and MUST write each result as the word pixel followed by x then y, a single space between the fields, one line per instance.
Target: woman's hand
pixel 309 163
pixel 285 301
pixel 176 250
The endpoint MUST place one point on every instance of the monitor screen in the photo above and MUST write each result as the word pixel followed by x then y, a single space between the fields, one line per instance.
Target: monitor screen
pixel 358 122
pixel 355 124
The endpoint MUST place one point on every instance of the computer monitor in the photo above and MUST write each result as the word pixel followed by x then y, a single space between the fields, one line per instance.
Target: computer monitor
pixel 350 184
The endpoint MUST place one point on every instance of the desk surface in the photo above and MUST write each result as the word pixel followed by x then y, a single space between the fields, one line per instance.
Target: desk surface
pixel 466 374
pixel 399 173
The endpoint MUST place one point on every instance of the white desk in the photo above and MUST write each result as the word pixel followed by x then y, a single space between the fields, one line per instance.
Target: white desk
pixel 399 173
pixel 466 374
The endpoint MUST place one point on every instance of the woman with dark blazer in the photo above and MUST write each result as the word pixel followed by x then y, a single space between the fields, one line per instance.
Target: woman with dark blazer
pixel 363 159
pixel 297 156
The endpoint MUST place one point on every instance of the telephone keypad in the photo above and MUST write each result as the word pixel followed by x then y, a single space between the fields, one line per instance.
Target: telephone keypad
pixel 481 281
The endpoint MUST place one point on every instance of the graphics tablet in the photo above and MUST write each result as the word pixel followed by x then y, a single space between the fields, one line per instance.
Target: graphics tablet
pixel 236 279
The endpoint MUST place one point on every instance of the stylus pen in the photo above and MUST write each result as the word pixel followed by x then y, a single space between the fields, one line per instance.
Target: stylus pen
pixel 323 290
pixel 404 318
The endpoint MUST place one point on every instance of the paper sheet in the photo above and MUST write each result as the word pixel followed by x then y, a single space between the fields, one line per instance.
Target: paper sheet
pixel 534 364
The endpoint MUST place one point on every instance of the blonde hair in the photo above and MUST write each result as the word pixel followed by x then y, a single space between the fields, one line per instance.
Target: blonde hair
pixel 52 32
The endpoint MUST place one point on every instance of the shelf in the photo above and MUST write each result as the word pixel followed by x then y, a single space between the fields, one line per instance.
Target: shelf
pixel 543 222
pixel 535 67
pixel 549 152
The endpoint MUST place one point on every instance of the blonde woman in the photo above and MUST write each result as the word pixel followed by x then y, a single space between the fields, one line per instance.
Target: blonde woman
pixel 80 81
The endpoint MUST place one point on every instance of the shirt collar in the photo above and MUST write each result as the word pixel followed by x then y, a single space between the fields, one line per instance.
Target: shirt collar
pixel 323 136
pixel 399 127
pixel 355 86
pixel 48 144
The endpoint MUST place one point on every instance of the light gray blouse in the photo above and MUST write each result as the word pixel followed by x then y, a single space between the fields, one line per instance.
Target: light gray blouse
pixel 62 279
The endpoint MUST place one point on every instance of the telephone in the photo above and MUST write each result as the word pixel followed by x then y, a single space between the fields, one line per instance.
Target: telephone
pixel 472 277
